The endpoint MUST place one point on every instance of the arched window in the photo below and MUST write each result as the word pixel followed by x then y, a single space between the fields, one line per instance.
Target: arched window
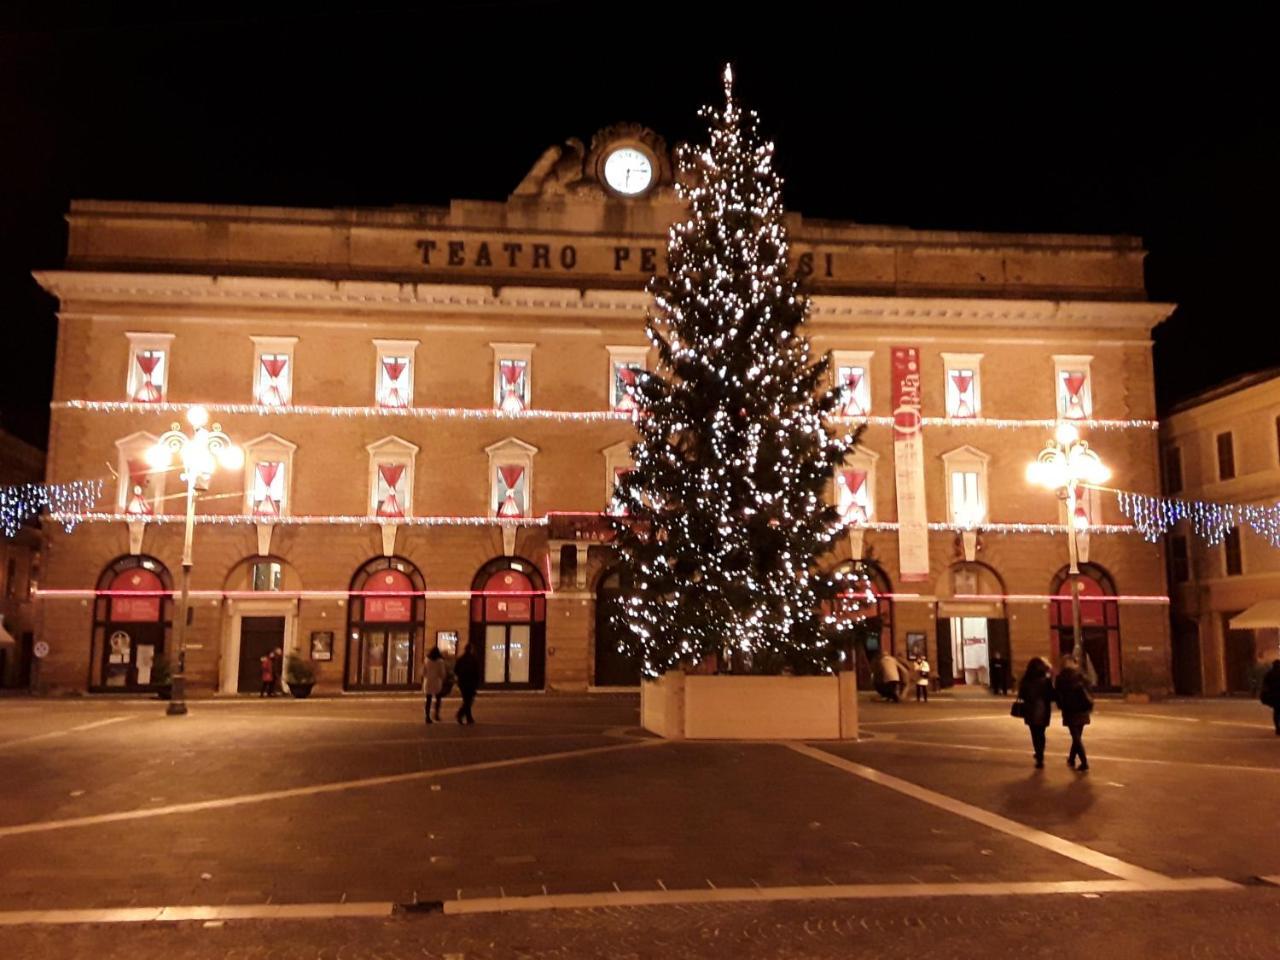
pixel 508 623
pixel 1099 623
pixel 132 615
pixel 386 623
pixel 863 612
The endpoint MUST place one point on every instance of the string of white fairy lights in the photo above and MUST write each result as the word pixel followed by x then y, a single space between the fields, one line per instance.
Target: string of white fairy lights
pixel 1155 516
pixel 24 501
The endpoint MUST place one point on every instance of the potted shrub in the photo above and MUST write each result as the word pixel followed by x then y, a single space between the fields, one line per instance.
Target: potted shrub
pixel 162 678
pixel 301 676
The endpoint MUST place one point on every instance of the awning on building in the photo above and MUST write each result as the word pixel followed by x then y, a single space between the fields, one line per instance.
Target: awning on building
pixel 1263 615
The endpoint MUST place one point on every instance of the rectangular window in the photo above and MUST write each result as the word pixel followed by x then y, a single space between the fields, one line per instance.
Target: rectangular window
pixel 1074 387
pixel 395 372
pixel 510 491
pixel 148 380
pixel 1173 470
pixel 853 494
pixel 268 487
pixel 1232 557
pixel 625 366
pixel 1179 559
pixel 391 490
pixel 267 575
pixel 511 368
pixel 619 475
pixel 1278 436
pixel 273 371
pixel 966 498
pixel 962 385
pixel 851 376
pixel 1226 456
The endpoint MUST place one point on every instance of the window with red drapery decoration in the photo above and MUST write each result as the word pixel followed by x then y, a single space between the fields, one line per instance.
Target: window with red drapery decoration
pixel 855 399
pixel 275 379
pixel 1074 387
pixel 616 507
pixel 393 382
pixel 510 491
pixel 513 385
pixel 391 497
pixel 140 499
pixel 148 376
pixel 268 488
pixel 626 375
pixel 962 402
pixel 853 495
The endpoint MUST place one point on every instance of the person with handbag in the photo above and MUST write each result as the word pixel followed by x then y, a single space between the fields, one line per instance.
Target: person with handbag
pixel 1271 692
pixel 1076 705
pixel 433 678
pixel 1035 704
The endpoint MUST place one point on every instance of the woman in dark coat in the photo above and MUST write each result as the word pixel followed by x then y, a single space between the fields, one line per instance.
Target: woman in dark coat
pixel 1075 703
pixel 1271 692
pixel 467 673
pixel 1036 693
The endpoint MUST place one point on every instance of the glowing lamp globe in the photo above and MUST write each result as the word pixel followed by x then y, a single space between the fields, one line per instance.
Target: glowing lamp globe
pixel 198 417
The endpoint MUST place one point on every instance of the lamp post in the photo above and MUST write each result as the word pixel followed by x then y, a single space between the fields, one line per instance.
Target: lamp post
pixel 200 454
pixel 1062 466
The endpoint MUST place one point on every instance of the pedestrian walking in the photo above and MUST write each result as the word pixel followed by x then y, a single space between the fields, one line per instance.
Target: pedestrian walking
pixel 1035 704
pixel 433 681
pixel 922 679
pixel 267 664
pixel 999 673
pixel 467 673
pixel 1072 694
pixel 889 676
pixel 1271 692
pixel 277 670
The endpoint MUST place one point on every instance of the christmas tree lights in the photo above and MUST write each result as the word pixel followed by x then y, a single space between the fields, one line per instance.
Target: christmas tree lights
pixel 726 513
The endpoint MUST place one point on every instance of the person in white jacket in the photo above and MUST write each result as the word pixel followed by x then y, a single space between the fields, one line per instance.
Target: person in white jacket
pixel 922 679
pixel 433 678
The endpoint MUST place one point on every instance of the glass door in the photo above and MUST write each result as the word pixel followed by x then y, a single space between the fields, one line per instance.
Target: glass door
pixel 518 653
pixel 495 653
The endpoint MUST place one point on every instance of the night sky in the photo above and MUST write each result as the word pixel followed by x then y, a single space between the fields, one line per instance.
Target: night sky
pixel 1086 124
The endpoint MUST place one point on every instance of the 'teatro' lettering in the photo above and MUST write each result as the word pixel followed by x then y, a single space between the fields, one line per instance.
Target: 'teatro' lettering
pixel 521 255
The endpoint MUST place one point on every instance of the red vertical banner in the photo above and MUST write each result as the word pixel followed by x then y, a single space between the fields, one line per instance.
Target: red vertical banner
pixel 908 465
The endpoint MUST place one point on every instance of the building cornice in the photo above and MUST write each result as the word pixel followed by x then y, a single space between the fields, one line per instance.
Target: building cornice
pixel 962 313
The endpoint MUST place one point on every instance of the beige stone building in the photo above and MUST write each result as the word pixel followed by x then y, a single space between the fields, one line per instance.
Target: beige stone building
pixel 1223 446
pixel 434 407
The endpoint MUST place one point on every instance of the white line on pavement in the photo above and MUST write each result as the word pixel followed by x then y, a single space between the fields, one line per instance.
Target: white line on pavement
pixel 1060 845
pixel 62 733
pixel 1227 767
pixel 898 723
pixel 610 898
pixel 871 891
pixel 42 826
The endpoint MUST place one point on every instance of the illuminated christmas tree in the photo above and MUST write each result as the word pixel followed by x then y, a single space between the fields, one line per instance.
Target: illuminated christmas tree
pixel 726 511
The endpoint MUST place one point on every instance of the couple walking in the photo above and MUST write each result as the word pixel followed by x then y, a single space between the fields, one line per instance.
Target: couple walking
pixel 436 681
pixel 1037 694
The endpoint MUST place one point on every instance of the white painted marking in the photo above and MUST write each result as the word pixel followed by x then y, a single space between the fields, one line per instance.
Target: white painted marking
pixel 899 723
pixel 263 911
pixel 1111 758
pixel 644 898
pixel 1059 845
pixel 53 734
pixel 293 792
pixel 1159 716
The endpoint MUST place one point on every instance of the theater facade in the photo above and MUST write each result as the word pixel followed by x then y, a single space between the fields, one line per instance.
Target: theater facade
pixel 434 409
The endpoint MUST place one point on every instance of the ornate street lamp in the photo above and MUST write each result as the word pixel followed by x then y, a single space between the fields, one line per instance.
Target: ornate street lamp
pixel 206 449
pixel 1063 465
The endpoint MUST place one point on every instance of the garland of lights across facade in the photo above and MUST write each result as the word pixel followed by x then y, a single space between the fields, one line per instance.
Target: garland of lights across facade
pixel 566 416
pixel 1153 517
pixel 68 501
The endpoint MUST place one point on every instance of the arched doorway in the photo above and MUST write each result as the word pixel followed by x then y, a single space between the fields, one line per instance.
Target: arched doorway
pixel 616 664
pixel 386 623
pixel 863 609
pixel 1099 622
pixel 972 625
pixel 509 624
pixel 261 616
pixel 132 617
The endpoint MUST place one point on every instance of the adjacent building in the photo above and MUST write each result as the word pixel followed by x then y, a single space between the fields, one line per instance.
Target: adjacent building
pixel 20 556
pixel 1223 446
pixel 434 407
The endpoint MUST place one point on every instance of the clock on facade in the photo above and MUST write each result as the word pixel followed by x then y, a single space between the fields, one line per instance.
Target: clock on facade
pixel 628 171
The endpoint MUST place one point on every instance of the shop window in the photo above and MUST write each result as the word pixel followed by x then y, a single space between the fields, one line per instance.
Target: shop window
pixel 626 364
pixel 395 372
pixel 512 391
pixel 391 463
pixel 966 472
pixel 511 479
pixel 1173 470
pixel 386 625
pixel 268 474
pixel 852 377
pixel 1074 387
pixel 1226 456
pixel 273 371
pixel 962 385
pixel 140 487
pixel 1232 555
pixel 148 380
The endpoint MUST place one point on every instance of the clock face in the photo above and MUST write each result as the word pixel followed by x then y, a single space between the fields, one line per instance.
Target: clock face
pixel 628 171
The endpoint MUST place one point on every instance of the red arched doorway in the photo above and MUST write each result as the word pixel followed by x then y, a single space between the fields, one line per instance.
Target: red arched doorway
pixel 1099 622
pixel 386 621
pixel 132 615
pixel 863 613
pixel 509 624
